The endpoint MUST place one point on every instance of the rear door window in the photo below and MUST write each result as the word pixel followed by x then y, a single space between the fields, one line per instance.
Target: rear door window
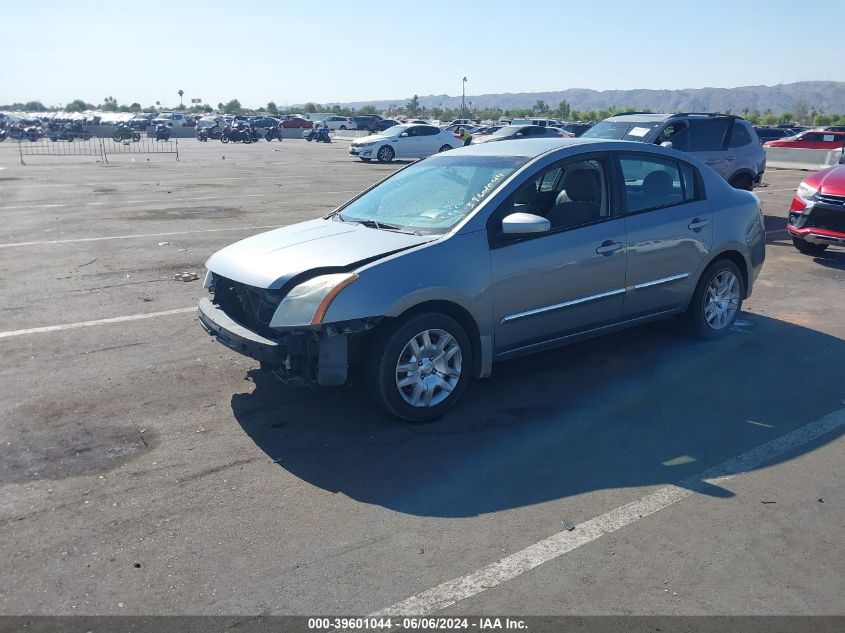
pixel 708 135
pixel 739 136
pixel 652 182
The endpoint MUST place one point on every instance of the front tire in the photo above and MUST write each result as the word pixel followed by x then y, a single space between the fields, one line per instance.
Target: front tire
pixel 136 137
pixel 808 248
pixel 717 300
pixel 224 138
pixel 419 366
pixel 385 154
pixel 445 148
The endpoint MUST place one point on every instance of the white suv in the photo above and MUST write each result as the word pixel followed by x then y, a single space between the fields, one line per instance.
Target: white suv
pixel 339 123
pixel 173 119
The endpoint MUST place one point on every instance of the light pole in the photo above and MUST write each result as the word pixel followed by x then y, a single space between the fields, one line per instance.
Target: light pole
pixel 463 98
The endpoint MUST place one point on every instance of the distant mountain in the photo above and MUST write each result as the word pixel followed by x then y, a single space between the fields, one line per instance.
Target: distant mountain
pixel 827 96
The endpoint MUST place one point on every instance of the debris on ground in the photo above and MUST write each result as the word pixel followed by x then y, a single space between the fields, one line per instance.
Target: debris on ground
pixel 568 525
pixel 763 501
pixel 165 243
pixel 186 276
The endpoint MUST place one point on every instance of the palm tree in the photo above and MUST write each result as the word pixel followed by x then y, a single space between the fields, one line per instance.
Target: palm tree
pixel 180 93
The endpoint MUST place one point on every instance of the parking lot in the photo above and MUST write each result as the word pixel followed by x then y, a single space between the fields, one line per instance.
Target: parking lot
pixel 147 469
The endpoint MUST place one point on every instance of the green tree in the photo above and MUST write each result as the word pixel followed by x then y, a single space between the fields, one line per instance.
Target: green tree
pixel 231 107
pixel 541 106
pixel 312 107
pixel 78 105
pixel 802 112
pixel 769 118
pixel 271 108
pixel 110 104
pixel 564 110
pixel 180 92
pixel 823 119
pixel 135 106
pixel 413 106
pixel 786 117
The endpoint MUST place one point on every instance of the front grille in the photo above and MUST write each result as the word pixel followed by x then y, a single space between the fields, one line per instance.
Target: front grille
pixel 250 306
pixel 830 219
pixel 825 198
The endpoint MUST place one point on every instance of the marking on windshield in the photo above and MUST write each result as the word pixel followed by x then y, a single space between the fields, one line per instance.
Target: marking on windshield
pixel 477 198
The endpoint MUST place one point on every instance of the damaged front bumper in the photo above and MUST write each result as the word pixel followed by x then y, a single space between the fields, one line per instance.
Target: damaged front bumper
pixel 237 337
pixel 308 357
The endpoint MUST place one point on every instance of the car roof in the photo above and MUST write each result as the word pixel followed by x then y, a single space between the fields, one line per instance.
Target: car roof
pixel 533 147
pixel 529 147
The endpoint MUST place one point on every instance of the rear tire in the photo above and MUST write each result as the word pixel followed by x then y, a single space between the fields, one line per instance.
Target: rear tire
pixel 136 137
pixel 716 302
pixel 445 148
pixel 808 248
pixel 434 381
pixel 742 181
pixel 224 139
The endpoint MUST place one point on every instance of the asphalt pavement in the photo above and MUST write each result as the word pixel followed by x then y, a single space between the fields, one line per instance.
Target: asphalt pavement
pixel 146 469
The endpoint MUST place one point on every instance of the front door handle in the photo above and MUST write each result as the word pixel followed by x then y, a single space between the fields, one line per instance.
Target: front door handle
pixel 697 224
pixel 608 247
pixel 713 161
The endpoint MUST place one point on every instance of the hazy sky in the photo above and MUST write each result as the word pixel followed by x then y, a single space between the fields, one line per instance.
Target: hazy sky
pixel 145 51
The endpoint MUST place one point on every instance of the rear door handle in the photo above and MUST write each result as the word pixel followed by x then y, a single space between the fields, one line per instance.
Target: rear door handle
pixel 698 224
pixel 713 161
pixel 608 247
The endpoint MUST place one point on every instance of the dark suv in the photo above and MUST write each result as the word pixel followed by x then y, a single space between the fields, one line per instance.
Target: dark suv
pixel 367 121
pixel 725 142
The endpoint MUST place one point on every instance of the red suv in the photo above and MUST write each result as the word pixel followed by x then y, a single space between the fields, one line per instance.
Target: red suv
pixel 811 139
pixel 817 214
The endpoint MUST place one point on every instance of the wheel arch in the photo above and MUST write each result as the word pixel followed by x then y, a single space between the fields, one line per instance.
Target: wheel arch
pixel 743 171
pixel 734 255
pixel 457 312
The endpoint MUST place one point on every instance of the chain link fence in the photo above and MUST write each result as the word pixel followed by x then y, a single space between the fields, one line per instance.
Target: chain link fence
pixel 100 148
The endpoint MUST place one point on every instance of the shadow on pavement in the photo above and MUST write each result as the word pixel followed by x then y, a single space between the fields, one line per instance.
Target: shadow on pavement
pixel 646 406
pixel 831 259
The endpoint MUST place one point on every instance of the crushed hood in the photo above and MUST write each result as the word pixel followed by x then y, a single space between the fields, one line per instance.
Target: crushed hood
pixel 269 260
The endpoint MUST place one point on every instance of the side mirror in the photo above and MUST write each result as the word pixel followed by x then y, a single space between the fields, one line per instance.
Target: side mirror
pixel 524 223
pixel 666 144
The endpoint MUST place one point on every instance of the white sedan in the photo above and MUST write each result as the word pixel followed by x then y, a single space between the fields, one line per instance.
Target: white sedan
pixel 403 141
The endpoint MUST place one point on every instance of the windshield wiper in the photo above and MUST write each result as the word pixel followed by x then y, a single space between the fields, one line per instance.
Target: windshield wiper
pixel 383 226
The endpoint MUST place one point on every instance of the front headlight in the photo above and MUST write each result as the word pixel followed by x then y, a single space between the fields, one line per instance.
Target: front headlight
pixel 806 192
pixel 306 305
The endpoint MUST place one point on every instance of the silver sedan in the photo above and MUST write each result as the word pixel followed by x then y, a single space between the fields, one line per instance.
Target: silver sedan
pixel 486 253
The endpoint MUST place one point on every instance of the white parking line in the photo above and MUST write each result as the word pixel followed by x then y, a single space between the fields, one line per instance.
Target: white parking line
pixel 137 235
pixel 169 200
pixel 565 541
pixel 73 326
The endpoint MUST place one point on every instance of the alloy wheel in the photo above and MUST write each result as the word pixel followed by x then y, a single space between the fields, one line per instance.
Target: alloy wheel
pixel 429 368
pixel 722 300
